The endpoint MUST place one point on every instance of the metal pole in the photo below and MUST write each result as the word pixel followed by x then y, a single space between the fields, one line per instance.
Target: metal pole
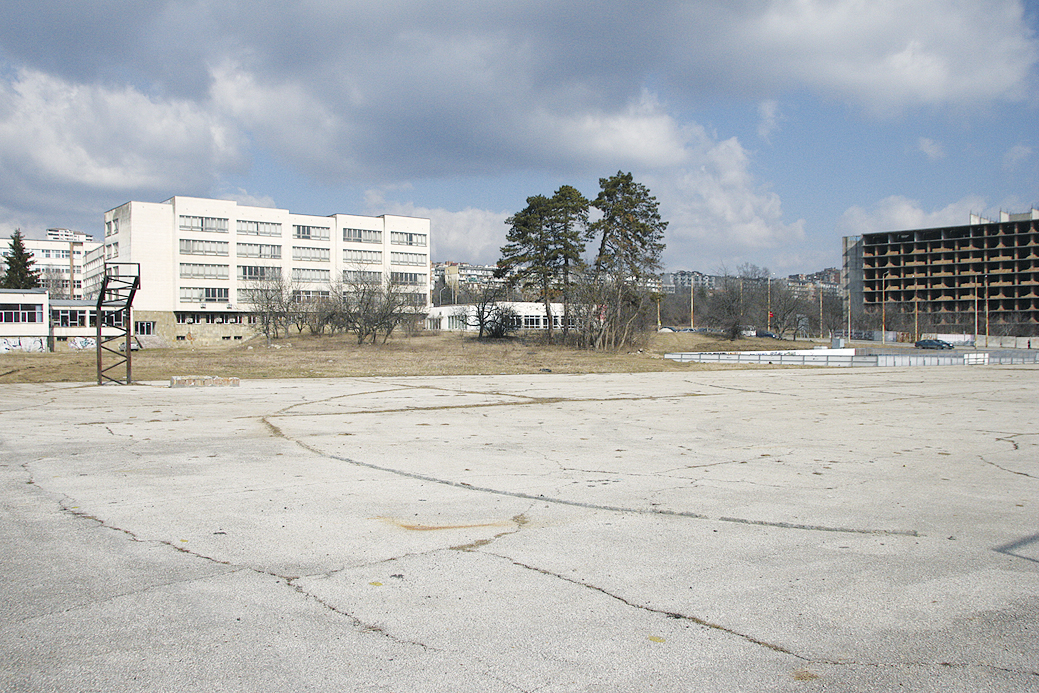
pixel 97 322
pixel 976 280
pixel 883 309
pixel 128 346
pixel 985 286
pixel 820 290
pixel 692 312
pixel 916 326
pixel 769 318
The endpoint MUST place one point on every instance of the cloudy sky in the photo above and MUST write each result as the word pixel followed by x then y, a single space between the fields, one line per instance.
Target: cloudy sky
pixel 767 129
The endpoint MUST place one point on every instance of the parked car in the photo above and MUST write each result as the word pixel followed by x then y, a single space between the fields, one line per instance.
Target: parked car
pixel 933 344
pixel 763 333
pixel 134 346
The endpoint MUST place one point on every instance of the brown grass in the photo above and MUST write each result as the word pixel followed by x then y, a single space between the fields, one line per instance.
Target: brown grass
pixel 305 356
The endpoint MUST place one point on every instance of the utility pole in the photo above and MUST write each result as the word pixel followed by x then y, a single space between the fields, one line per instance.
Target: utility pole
pixel 769 319
pixel 820 290
pixel 692 312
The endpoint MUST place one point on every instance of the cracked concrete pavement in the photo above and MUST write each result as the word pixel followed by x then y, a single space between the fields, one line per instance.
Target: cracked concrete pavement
pixel 761 530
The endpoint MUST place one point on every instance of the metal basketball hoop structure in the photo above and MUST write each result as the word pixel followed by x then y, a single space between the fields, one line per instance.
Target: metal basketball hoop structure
pixel 121 282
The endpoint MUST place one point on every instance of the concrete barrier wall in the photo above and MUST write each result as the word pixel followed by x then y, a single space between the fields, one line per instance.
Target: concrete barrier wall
pixel 843 360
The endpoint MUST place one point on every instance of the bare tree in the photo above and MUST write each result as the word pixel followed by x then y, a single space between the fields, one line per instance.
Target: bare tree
pixel 53 280
pixel 374 305
pixel 786 307
pixel 484 309
pixel 271 297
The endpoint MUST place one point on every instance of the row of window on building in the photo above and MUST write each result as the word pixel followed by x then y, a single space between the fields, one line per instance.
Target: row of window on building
pixel 60 317
pixel 193 224
pixel 299 253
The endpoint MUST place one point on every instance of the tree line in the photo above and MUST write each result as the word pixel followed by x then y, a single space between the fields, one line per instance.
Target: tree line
pixel 363 303
pixel 743 300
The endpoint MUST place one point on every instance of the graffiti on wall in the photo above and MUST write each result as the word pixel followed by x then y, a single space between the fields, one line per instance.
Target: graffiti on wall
pixel 29 344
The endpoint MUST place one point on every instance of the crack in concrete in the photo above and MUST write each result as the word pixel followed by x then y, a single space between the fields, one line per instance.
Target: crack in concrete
pixel 527 401
pixel 750 638
pixel 519 520
pixel 1009 471
pixel 121 595
pixel 669 614
pixel 277 432
pixel 282 412
pixel 290 581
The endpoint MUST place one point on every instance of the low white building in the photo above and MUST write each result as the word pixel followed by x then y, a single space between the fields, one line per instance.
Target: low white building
pixel 527 316
pixel 198 258
pixel 23 320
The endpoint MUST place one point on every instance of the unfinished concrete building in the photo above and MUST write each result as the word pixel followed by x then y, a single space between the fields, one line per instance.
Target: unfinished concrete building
pixel 982 278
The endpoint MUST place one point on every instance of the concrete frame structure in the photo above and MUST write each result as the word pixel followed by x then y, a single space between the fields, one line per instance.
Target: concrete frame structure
pixel 198 257
pixel 972 278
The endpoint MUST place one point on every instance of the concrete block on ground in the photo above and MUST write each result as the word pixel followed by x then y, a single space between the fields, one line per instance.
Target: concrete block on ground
pixel 203 381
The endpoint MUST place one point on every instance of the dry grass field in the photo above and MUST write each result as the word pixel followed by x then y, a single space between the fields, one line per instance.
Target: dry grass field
pixel 424 353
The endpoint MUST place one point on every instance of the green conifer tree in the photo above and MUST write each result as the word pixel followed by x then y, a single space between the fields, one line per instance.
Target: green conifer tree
pixel 19 273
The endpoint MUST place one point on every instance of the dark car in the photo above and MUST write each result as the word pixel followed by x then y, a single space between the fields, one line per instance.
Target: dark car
pixel 933 344
pixel 769 335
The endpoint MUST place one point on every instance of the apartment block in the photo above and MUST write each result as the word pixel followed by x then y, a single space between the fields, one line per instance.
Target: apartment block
pixel 199 259
pixel 60 259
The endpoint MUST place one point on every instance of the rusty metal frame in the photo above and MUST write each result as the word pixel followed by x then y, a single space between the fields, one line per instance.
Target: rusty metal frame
pixel 115 297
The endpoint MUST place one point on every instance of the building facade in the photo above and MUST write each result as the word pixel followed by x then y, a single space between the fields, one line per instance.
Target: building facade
pixel 451 280
pixel 980 278
pixel 200 259
pixel 60 259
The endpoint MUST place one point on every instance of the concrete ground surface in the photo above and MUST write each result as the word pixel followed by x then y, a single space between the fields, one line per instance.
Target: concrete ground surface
pixel 756 530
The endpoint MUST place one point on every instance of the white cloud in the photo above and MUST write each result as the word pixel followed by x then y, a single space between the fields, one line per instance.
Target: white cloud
pixel 1016 155
pixel 897 213
pixel 933 150
pixel 768 111
pixel 470 235
pixel 717 210
pixel 891 54
pixel 243 197
pixel 108 138
pixel 282 114
pixel 640 136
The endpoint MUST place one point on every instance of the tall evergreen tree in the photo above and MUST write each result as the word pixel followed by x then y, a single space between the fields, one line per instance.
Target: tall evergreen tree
pixel 630 232
pixel 528 257
pixel 545 244
pixel 569 221
pixel 19 272
pixel 631 240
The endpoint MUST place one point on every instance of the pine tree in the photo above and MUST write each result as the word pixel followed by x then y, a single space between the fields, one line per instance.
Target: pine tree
pixel 545 243
pixel 569 220
pixel 20 273
pixel 528 258
pixel 631 241
pixel 630 230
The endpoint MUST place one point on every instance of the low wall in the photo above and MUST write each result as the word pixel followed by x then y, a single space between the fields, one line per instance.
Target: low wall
pixel 847 358
pixel 28 344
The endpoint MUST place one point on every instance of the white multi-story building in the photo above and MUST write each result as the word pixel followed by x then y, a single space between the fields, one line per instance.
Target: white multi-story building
pixel 59 258
pixel 199 257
